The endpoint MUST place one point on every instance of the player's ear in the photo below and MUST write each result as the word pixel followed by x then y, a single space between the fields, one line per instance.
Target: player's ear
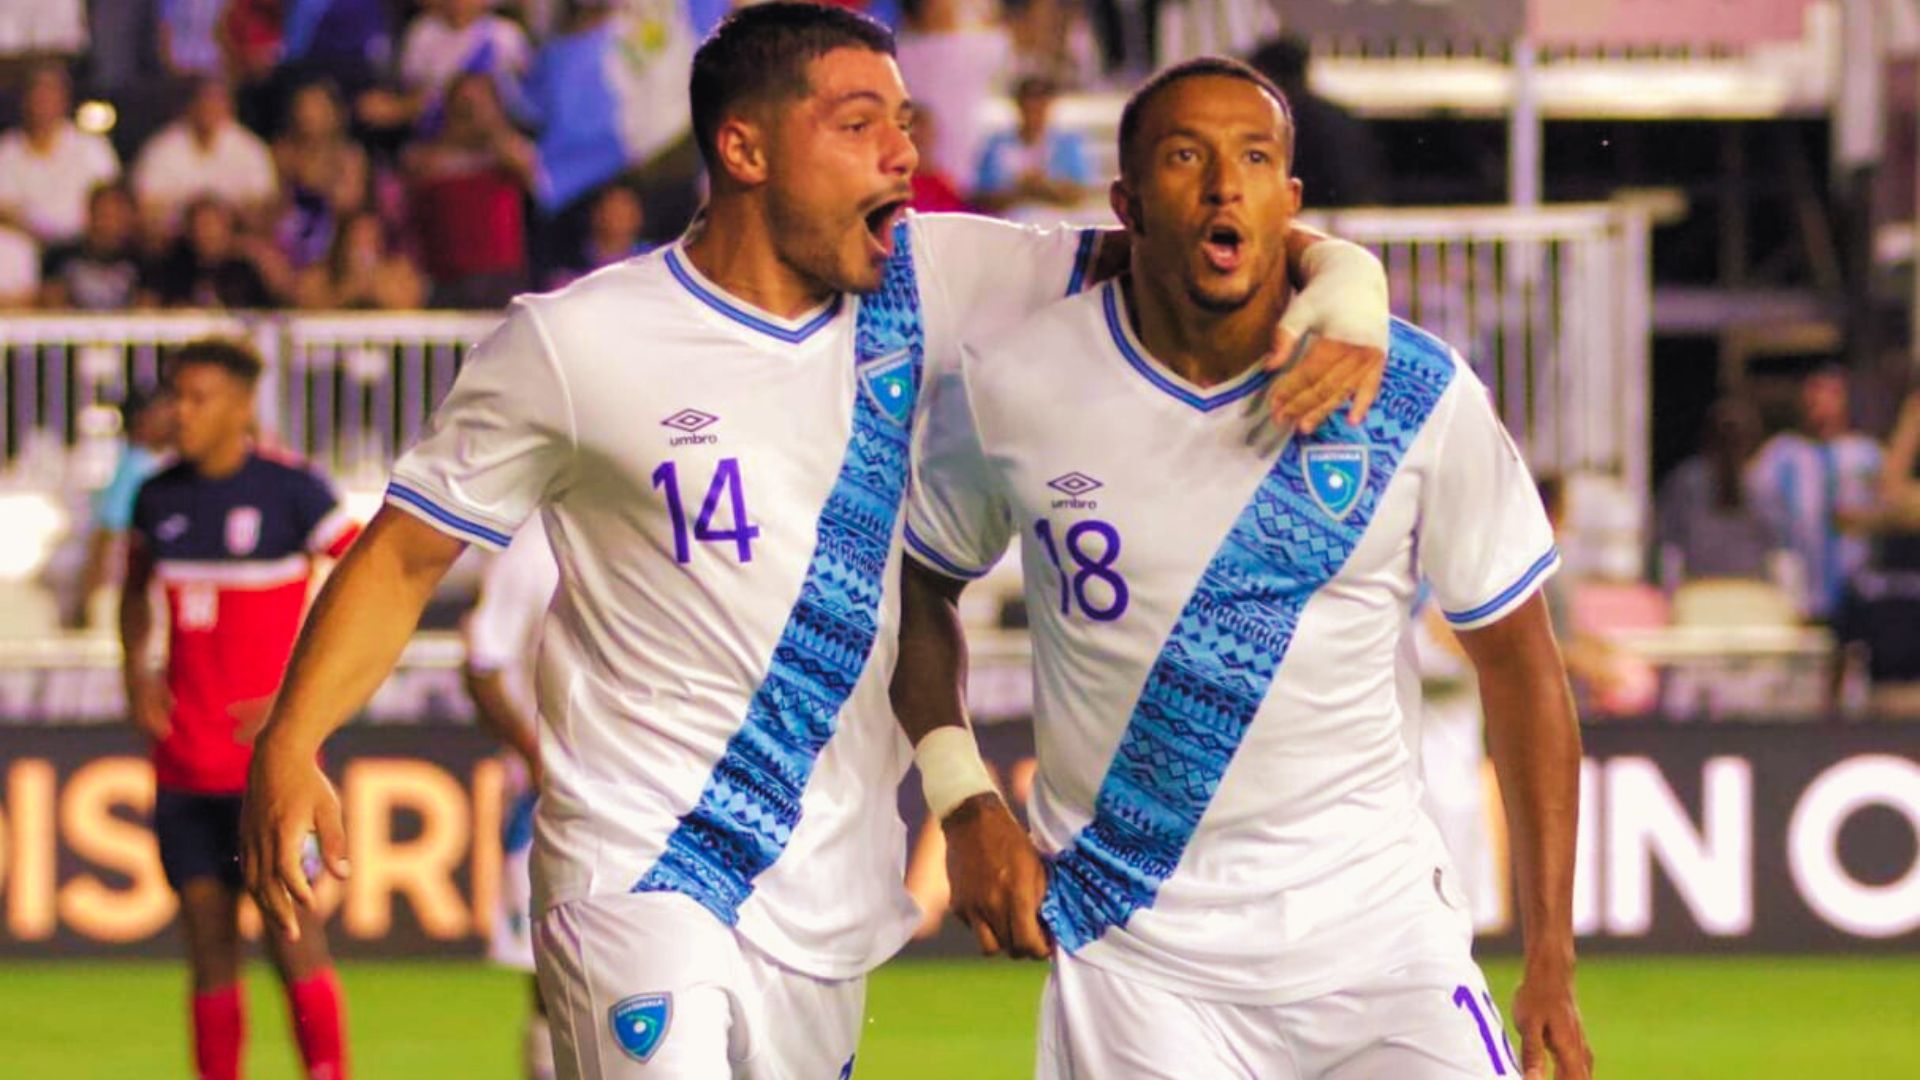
pixel 1120 197
pixel 742 149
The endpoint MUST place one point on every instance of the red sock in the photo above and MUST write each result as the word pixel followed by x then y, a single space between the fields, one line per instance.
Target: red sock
pixel 219 1027
pixel 319 1025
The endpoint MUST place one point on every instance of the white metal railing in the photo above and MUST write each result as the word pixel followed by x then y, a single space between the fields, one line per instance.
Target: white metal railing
pixel 346 390
pixel 355 390
pixel 1552 306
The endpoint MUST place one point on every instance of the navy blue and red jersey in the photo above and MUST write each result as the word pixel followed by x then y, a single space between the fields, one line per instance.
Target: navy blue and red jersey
pixel 235 556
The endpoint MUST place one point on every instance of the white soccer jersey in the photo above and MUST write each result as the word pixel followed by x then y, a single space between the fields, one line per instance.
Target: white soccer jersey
pixel 1224 789
pixel 722 491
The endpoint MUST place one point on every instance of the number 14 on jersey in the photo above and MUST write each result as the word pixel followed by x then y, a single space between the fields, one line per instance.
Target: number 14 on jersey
pixel 725 485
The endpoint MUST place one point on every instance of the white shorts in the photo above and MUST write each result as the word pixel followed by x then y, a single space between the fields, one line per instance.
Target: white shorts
pixel 1427 1019
pixel 650 985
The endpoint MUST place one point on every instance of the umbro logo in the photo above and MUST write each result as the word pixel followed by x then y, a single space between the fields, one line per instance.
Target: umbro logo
pixel 690 422
pixel 1075 486
pixel 171 528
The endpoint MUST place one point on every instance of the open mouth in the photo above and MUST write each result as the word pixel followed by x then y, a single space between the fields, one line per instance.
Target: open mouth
pixel 880 222
pixel 1221 246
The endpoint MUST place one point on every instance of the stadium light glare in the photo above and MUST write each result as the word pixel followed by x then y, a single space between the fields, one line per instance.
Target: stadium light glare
pixel 96 117
pixel 34 523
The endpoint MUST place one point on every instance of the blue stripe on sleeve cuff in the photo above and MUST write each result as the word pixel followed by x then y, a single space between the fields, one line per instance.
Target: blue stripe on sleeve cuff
pixel 937 561
pixel 1082 261
pixel 1511 593
pixel 454 522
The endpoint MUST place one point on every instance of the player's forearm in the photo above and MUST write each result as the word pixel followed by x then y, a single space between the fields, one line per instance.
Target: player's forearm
pixel 1533 737
pixel 930 680
pixel 136 629
pixel 93 572
pixel 357 629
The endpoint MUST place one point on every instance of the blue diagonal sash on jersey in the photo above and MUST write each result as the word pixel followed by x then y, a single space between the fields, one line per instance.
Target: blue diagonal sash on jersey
pixel 751 804
pixel 1220 659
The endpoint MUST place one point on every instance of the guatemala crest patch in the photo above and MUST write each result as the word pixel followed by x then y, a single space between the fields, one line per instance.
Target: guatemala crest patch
pixel 888 382
pixel 1335 476
pixel 640 1023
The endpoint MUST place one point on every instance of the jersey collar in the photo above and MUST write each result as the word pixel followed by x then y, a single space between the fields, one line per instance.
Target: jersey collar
pixel 1164 380
pixel 787 331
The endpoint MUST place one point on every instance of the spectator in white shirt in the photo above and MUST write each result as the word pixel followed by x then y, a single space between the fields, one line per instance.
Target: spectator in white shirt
pixel 42 28
pixel 205 155
pixel 19 269
pixel 48 167
pixel 453 38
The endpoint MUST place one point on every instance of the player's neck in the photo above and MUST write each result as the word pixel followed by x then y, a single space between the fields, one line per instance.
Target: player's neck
pixel 225 460
pixel 732 246
pixel 1204 347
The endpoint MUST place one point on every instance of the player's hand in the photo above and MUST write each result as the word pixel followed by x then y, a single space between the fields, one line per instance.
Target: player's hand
pixel 1549 1023
pixel 288 797
pixel 997 877
pixel 150 706
pixel 1318 378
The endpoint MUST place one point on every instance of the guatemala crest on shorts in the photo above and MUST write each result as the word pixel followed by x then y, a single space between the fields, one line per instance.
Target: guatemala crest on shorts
pixel 888 382
pixel 640 1023
pixel 1335 476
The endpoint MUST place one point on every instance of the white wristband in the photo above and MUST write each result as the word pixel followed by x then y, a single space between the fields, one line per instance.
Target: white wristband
pixel 951 771
pixel 1345 297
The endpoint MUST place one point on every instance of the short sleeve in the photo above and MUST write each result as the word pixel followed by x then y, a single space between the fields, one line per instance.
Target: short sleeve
pixel 957 522
pixel 498 445
pixel 989 275
pixel 323 522
pixel 515 592
pixel 140 513
pixel 1484 540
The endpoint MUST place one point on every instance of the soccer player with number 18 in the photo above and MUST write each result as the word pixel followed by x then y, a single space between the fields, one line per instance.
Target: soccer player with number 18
pixel 1239 881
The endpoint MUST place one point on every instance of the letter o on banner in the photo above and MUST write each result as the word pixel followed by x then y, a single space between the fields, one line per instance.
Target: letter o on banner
pixel 1813 846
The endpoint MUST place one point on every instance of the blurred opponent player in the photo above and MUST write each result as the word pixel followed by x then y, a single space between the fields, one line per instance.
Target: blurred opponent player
pixel 231 535
pixel 715 437
pixel 1242 882
pixel 502 634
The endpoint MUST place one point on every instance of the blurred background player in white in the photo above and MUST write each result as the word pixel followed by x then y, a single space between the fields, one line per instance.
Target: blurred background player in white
pixel 716 436
pixel 1449 744
pixel 232 536
pixel 1807 480
pixel 502 635
pixel 146 421
pixel 1240 881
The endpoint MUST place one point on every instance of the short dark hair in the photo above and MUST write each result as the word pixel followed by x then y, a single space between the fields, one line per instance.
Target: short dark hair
pixel 135 402
pixel 1198 67
pixel 759 55
pixel 231 355
pixel 108 189
pixel 1283 59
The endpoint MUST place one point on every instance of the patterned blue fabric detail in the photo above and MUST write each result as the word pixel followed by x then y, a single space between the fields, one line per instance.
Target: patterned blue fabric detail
pixel 1220 659
pixel 751 804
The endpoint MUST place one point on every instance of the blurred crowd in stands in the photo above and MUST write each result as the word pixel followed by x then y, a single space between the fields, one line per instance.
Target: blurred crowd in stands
pixel 392 154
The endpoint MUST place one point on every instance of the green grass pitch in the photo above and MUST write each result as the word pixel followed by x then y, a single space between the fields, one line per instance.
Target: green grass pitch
pixel 1649 1018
